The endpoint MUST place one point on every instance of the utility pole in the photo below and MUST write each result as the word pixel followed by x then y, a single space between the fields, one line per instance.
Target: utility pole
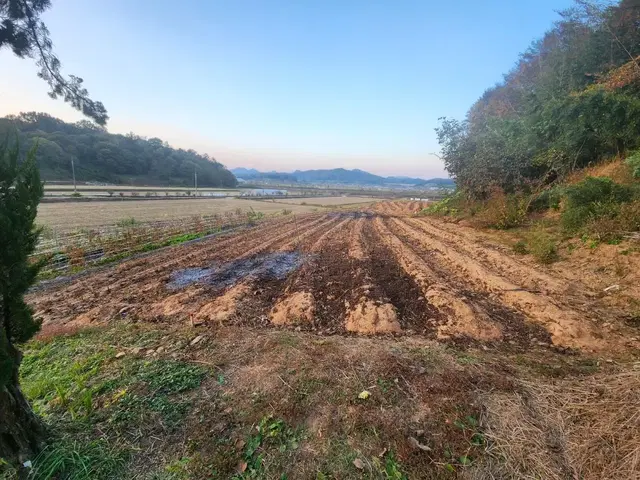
pixel 195 180
pixel 73 172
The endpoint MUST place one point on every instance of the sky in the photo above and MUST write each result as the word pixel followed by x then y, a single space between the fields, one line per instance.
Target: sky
pixel 284 84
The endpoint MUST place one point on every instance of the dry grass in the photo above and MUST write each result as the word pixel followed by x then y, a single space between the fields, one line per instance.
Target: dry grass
pixel 578 428
pixel 616 169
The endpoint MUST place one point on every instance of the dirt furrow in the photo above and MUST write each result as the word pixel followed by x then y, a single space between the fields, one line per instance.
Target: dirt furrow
pixel 328 236
pixel 567 327
pixel 500 262
pixel 355 245
pixel 297 303
pixel 413 310
pixel 301 235
pixel 272 242
pixel 460 317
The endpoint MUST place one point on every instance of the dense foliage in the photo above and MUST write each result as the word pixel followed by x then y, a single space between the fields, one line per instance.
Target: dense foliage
pixel 20 193
pixel 100 156
pixel 570 100
pixel 26 35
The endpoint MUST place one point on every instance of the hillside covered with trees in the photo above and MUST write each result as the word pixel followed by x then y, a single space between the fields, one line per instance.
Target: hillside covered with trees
pixel 100 156
pixel 569 101
pixel 558 138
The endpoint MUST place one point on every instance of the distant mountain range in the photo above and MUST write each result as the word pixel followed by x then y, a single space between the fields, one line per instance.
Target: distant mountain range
pixel 336 176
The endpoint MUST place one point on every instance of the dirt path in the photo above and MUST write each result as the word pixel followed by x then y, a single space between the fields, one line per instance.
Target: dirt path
pixel 376 271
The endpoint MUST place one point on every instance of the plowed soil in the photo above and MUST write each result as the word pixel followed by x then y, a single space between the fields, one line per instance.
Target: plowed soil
pixel 378 271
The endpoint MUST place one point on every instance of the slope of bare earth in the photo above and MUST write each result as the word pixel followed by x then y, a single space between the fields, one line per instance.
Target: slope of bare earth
pixel 436 321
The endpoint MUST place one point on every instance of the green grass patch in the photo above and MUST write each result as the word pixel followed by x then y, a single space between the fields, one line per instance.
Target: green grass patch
pixel 89 399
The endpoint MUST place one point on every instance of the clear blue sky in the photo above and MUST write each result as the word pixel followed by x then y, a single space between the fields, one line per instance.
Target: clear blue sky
pixel 284 84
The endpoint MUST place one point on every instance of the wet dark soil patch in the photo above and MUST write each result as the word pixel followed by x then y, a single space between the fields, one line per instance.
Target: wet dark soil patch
pixel 270 266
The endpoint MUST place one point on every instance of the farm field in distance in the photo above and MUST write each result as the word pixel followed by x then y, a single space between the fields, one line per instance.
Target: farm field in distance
pixel 67 216
pixel 364 343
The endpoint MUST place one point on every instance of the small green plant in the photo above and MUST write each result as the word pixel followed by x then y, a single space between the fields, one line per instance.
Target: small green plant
pixel 127 222
pixel 84 461
pixel 520 247
pixel 286 212
pixel 543 247
pixel 271 434
pixel 253 216
pixel 76 194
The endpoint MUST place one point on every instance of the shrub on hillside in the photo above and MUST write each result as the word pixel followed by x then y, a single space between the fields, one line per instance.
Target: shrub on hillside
pixel 449 206
pixel 547 199
pixel 634 162
pixel 504 211
pixel 593 198
pixel 543 247
pixel 620 220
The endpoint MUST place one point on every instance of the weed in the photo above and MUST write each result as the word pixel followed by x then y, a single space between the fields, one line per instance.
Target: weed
pixel 79 460
pixel 286 211
pixel 520 247
pixel 272 435
pixel 76 194
pixel 253 216
pixel 127 222
pixel 177 470
pixel 543 246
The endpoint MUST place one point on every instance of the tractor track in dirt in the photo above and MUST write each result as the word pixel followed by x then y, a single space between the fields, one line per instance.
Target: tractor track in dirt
pixel 377 271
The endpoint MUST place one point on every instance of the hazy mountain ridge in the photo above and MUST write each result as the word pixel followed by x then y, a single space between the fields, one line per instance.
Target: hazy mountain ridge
pixel 336 175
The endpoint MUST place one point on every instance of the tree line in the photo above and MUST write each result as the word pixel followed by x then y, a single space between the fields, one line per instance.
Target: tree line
pixel 569 101
pixel 100 156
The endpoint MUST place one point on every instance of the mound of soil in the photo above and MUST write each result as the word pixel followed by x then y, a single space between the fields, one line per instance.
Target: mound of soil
pixel 369 318
pixel 294 309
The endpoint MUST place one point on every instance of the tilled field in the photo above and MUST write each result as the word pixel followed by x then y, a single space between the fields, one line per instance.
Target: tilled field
pixel 374 271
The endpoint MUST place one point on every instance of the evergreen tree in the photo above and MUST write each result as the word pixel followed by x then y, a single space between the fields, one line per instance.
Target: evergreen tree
pixel 26 35
pixel 21 432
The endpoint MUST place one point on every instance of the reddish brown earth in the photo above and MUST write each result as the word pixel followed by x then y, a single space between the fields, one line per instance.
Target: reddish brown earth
pixel 380 271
